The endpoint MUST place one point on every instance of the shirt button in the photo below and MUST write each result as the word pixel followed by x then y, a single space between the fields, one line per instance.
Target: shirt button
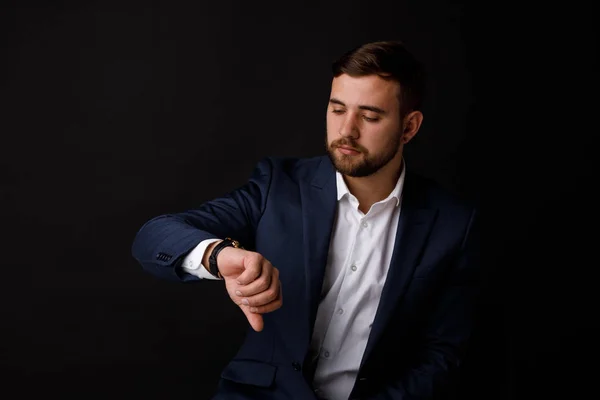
pixel 364 224
pixel 326 354
pixel 296 366
pixel 340 311
pixel 353 268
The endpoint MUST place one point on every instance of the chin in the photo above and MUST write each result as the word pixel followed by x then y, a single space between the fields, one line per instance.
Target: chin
pixel 350 168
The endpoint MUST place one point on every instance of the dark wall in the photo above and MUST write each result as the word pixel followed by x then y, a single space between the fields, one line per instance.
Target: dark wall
pixel 115 112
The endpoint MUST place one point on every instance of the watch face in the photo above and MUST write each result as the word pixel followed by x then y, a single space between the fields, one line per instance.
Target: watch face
pixel 234 243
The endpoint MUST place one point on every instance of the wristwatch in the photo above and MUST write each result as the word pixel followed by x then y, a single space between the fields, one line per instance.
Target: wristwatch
pixel 212 259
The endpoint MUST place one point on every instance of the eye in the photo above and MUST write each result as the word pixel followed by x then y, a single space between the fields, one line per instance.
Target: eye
pixel 338 111
pixel 370 119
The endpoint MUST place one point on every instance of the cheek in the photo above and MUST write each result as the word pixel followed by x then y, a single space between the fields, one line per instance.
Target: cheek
pixel 377 137
pixel 331 127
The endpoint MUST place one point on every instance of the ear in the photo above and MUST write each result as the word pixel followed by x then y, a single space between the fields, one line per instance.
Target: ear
pixel 412 122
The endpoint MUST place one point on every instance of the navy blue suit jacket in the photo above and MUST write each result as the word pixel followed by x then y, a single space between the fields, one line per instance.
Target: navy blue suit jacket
pixel 286 212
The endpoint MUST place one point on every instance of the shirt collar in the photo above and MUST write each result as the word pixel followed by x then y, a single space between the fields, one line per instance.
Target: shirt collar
pixel 396 193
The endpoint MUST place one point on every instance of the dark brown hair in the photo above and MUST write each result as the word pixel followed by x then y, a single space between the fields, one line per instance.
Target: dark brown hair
pixel 391 61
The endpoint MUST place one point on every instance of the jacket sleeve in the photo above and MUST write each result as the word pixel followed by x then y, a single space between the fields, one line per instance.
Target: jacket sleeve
pixel 447 331
pixel 161 243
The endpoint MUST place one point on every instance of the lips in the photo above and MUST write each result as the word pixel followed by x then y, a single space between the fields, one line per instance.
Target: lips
pixel 348 151
pixel 349 148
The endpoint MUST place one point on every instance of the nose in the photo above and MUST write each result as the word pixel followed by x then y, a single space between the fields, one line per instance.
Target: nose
pixel 349 127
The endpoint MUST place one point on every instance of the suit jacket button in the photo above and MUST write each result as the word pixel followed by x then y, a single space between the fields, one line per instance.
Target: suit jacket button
pixel 296 365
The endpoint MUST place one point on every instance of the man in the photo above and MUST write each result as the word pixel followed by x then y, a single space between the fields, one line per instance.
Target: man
pixel 376 265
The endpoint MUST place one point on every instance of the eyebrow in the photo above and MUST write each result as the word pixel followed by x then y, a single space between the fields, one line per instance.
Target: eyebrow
pixel 378 110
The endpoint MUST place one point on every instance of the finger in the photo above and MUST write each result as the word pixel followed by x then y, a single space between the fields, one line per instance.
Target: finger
pixel 256 320
pixel 253 264
pixel 262 283
pixel 266 296
pixel 272 306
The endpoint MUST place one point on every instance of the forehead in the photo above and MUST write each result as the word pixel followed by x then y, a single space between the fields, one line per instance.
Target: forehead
pixel 365 90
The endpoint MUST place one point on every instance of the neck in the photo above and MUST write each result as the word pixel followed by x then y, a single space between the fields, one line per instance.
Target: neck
pixel 368 190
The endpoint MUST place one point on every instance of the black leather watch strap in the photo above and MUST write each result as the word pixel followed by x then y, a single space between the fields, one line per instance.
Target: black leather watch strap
pixel 212 259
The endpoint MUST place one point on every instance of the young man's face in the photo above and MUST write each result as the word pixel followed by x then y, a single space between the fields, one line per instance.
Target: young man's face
pixel 364 128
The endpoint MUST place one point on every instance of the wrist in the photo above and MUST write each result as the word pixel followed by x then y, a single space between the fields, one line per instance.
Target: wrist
pixel 207 253
pixel 212 259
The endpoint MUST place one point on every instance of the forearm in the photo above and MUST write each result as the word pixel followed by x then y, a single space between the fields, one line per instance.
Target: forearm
pixel 163 242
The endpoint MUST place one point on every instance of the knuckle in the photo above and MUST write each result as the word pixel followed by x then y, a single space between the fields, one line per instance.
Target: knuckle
pixel 264 285
pixel 268 296
pixel 272 294
pixel 254 259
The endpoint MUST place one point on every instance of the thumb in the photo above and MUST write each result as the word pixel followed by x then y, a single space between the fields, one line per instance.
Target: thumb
pixel 256 320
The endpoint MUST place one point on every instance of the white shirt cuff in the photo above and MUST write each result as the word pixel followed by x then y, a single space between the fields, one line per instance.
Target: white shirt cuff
pixel 192 263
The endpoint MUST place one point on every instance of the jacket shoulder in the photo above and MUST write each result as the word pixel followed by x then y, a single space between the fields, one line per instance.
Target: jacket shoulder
pixel 294 168
pixel 439 197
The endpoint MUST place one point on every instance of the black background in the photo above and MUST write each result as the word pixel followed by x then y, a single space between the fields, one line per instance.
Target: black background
pixel 113 112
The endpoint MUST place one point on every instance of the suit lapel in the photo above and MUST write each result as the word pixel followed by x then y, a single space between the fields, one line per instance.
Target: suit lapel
pixel 414 225
pixel 318 213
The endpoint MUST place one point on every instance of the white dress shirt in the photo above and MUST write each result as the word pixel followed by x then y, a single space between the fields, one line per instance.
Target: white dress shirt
pixel 357 265
pixel 192 263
